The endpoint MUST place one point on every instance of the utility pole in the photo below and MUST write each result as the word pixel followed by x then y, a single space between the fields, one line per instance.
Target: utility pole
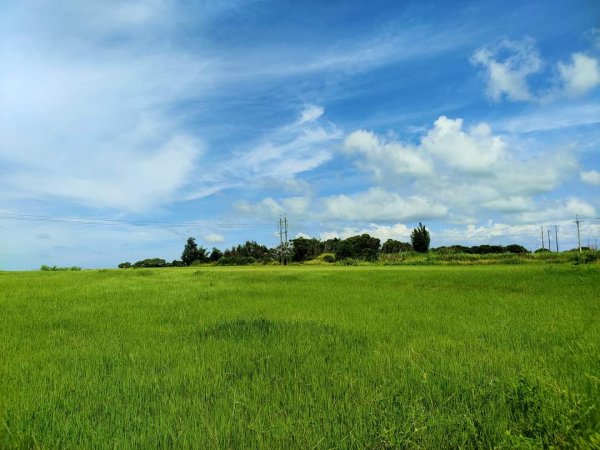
pixel 556 237
pixel 577 221
pixel 542 228
pixel 286 239
pixel 549 247
pixel 280 241
pixel 283 240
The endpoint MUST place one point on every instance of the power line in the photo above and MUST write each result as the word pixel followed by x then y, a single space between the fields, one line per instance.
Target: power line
pixel 103 221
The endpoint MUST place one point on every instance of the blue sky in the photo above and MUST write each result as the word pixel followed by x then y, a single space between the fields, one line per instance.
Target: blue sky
pixel 127 126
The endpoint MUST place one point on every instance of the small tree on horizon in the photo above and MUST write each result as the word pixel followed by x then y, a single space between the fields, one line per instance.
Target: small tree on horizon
pixel 420 239
pixel 191 252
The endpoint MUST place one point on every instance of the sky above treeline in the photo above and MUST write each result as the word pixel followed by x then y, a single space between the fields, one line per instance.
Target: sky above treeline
pixel 128 126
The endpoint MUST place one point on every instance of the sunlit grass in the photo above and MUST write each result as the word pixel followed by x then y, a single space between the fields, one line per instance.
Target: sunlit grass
pixel 301 357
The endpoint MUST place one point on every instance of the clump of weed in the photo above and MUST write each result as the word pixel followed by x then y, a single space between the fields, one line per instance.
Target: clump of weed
pixel 548 419
pixel 347 262
pixel 143 273
pixel 586 257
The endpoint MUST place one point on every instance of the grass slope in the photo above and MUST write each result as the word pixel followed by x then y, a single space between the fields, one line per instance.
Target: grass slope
pixel 301 357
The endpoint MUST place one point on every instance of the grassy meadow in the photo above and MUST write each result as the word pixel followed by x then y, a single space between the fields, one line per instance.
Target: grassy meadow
pixel 504 356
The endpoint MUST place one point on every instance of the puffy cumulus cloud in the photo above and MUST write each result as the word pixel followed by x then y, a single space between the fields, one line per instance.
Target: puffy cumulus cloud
pixel 510 204
pixel 473 233
pixel 590 177
pixel 375 204
pixel 507 67
pixel 474 167
pixel 533 176
pixel 398 231
pixel 378 204
pixel 553 210
pixel 214 238
pixel 494 178
pixel 581 75
pixel 508 233
pixel 385 159
pixel 475 150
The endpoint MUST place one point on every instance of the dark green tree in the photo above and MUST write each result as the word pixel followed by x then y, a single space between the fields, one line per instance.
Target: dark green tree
pixel 393 246
pixel 215 255
pixel 305 249
pixel 358 247
pixel 192 253
pixel 420 239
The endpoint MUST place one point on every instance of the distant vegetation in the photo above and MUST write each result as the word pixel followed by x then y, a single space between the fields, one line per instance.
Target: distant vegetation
pixel 46 268
pixel 364 249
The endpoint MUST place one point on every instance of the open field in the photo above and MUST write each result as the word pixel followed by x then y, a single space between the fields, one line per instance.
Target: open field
pixel 301 357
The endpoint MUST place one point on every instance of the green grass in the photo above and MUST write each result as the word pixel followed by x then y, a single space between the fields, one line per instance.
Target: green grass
pixel 301 357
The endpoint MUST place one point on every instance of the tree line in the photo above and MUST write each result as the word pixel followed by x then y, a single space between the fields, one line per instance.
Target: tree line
pixel 360 248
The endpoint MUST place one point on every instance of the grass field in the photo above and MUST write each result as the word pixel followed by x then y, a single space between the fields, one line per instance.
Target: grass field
pixel 301 357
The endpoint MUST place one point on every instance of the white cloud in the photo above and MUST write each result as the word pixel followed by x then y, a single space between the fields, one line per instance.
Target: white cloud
pixel 484 176
pixel 128 177
pixel 468 155
pixel 286 151
pixel 591 177
pixel 473 233
pixel 378 204
pixel 582 75
pixel 397 231
pixel 474 169
pixel 509 65
pixel 554 210
pixel 214 238
pixel 311 113
pixel 476 150
pixel 552 117
pixel 95 129
pixel 386 159
pixel 507 75
pixel 510 204
pixel 270 208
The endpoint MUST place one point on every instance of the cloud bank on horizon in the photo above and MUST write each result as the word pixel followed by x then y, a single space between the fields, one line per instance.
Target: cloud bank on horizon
pixel 154 121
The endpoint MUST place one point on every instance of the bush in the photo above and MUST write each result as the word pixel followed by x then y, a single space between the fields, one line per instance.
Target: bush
pixel 125 265
pixel 585 257
pixel 236 261
pixel 151 262
pixel 393 246
pixel 326 257
pixel 347 262
pixel 46 268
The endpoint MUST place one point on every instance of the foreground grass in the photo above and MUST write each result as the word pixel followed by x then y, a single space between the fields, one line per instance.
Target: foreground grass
pixel 301 357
